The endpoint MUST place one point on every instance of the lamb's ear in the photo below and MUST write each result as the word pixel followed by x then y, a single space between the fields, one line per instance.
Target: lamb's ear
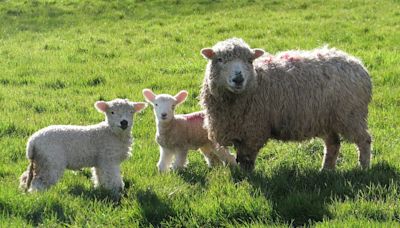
pixel 258 52
pixel 139 106
pixel 181 96
pixel 101 106
pixel 149 95
pixel 208 53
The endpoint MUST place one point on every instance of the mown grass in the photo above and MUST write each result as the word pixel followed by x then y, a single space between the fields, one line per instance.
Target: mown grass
pixel 58 57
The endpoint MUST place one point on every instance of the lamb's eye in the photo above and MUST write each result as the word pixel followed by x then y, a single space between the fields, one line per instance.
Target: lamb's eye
pixel 156 104
pixel 112 113
pixel 220 60
pixel 250 61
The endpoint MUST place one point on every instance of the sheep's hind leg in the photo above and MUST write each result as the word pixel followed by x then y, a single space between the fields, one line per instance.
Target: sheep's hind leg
pixel 357 132
pixel 211 158
pixel 331 151
pixel 364 149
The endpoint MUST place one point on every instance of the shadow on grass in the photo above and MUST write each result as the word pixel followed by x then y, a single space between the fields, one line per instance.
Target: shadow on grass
pixel 192 176
pixel 102 194
pixel 301 197
pixel 154 209
pixel 35 215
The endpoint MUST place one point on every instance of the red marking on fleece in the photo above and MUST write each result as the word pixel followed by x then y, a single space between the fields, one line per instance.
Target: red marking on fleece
pixel 288 57
pixel 194 116
pixel 269 59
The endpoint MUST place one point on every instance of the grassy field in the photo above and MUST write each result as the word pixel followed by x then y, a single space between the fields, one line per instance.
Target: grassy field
pixel 58 57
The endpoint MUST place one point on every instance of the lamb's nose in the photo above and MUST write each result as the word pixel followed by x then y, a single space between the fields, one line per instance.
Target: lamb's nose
pixel 124 124
pixel 163 115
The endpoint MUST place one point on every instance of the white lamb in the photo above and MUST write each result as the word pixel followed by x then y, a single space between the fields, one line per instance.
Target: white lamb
pixel 177 134
pixel 103 146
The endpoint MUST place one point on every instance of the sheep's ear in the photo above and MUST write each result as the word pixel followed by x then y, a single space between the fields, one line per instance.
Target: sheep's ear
pixel 181 96
pixel 101 106
pixel 149 95
pixel 208 53
pixel 139 106
pixel 258 52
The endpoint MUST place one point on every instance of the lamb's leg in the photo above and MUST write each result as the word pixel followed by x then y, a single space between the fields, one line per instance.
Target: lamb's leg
pixel 180 159
pixel 331 151
pixel 246 155
pixel 165 160
pixel 108 176
pixel 46 173
pixel 225 156
pixel 211 158
pixel 43 180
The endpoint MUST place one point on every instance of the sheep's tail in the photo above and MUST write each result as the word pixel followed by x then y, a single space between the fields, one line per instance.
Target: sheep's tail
pixel 30 151
pixel 30 175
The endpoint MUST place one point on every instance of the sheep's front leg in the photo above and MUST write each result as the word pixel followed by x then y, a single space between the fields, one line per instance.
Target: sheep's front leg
pixel 109 177
pixel 165 160
pixel 246 156
pixel 180 159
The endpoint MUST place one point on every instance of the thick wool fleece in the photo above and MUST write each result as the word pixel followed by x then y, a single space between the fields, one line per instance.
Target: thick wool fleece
pixel 103 146
pixel 294 95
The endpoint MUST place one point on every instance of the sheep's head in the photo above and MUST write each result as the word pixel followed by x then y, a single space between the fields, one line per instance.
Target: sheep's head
pixel 164 104
pixel 231 64
pixel 119 113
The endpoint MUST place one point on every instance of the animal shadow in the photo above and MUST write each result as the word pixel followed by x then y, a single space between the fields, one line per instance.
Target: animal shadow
pixel 35 213
pixel 193 176
pixel 300 197
pixel 154 209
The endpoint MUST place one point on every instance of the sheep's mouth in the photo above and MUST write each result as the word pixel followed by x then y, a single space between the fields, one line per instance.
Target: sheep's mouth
pixel 236 88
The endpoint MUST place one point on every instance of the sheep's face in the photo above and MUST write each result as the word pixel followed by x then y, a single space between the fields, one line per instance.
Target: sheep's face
pixel 164 104
pixel 119 113
pixel 231 64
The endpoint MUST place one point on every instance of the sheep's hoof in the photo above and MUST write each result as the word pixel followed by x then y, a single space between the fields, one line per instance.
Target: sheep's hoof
pixel 327 169
pixel 246 164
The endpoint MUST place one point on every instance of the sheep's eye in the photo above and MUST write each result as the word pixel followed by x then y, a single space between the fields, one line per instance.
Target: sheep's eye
pixel 112 113
pixel 220 60
pixel 173 106
pixel 250 61
pixel 156 104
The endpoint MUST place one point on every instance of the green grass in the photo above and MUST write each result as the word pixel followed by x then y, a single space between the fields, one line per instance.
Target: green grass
pixel 58 57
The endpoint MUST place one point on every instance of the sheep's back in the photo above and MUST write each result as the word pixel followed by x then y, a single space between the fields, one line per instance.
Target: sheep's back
pixel 308 97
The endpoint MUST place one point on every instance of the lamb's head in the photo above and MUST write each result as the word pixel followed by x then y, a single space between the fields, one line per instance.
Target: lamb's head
pixel 230 65
pixel 119 113
pixel 164 104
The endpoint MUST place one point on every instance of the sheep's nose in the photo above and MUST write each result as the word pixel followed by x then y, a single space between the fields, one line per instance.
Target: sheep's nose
pixel 163 115
pixel 124 124
pixel 238 73
pixel 238 79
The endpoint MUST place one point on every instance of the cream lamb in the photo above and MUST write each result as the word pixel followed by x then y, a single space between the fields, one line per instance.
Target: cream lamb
pixel 250 97
pixel 103 146
pixel 177 134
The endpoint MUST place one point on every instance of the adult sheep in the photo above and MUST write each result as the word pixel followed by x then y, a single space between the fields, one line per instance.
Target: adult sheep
pixel 250 96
